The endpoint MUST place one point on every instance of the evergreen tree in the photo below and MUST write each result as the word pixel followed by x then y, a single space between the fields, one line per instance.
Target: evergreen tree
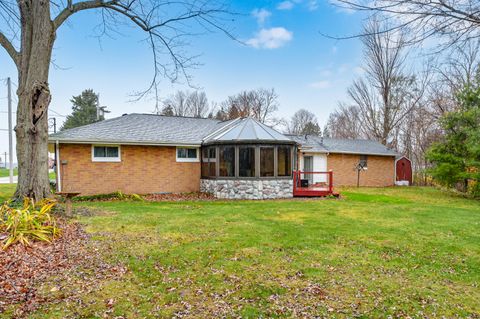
pixel 84 110
pixel 456 159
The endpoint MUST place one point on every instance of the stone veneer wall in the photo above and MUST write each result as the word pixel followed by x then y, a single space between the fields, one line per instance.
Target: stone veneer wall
pixel 248 189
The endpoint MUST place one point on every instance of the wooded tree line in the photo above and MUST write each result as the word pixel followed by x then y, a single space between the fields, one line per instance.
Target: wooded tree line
pixel 402 103
pixel 260 104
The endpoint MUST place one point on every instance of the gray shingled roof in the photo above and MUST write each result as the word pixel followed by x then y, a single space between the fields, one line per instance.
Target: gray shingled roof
pixel 247 130
pixel 347 146
pixel 142 128
pixel 173 130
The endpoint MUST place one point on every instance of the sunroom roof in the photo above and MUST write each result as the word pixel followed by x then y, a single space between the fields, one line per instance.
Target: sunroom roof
pixel 247 130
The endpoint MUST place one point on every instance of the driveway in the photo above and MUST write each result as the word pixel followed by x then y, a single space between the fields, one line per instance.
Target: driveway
pixel 6 180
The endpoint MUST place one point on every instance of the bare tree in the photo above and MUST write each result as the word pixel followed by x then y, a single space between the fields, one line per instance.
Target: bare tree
pixel 452 74
pixel 345 123
pixel 176 104
pixel 304 122
pixel 185 103
pixel 260 104
pixel 197 104
pixel 386 94
pixel 28 30
pixel 454 22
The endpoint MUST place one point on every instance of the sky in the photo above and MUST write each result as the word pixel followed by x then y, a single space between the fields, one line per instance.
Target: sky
pixel 280 46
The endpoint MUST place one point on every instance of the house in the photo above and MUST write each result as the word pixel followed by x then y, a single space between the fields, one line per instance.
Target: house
pixel 241 158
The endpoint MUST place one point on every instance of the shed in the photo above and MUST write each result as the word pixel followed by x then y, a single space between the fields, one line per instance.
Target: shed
pixel 403 170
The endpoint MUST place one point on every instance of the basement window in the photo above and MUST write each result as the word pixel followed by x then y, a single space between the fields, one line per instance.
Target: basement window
pixel 185 154
pixel 105 153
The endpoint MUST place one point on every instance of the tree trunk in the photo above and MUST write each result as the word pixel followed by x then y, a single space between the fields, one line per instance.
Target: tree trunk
pixel 38 35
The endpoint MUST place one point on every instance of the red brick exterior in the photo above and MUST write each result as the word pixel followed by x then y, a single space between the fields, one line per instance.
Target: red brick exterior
pixel 142 170
pixel 154 169
pixel 380 172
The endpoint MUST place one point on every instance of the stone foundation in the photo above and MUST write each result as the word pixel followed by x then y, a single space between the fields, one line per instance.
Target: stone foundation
pixel 248 189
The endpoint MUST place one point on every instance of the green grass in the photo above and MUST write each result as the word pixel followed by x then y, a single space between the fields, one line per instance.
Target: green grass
pixel 377 252
pixel 5 172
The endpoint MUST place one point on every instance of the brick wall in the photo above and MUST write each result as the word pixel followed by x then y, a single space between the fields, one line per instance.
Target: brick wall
pixel 380 172
pixel 143 170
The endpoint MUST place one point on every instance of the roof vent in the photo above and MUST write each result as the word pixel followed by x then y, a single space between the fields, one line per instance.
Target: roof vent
pixel 124 114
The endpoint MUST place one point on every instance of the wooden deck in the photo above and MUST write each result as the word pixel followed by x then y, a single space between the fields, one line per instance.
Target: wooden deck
pixel 313 190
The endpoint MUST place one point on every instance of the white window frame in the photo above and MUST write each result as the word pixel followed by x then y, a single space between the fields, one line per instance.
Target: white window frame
pixel 107 159
pixel 187 160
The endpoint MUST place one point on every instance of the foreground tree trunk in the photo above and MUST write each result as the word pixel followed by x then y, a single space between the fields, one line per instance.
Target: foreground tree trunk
pixel 38 35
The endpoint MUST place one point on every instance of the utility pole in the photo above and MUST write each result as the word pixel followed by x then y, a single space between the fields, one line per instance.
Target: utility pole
pixel 54 119
pixel 10 137
pixel 101 110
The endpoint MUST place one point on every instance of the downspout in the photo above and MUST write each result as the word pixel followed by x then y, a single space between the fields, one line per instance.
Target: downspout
pixel 395 171
pixel 57 158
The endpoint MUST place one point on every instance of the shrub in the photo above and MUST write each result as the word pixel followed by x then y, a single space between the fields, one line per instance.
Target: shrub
pixel 32 221
pixel 108 197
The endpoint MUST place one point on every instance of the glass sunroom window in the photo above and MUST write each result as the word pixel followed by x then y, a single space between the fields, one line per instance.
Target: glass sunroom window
pixel 209 162
pixel 246 161
pixel 284 161
pixel 212 166
pixel 227 161
pixel 267 159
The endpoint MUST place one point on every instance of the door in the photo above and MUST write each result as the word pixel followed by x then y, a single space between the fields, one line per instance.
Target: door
pixel 308 167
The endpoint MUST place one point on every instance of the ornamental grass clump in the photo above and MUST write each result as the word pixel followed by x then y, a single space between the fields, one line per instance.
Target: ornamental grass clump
pixel 30 222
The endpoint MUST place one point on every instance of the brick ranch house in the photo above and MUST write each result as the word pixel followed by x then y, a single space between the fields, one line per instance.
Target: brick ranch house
pixel 241 158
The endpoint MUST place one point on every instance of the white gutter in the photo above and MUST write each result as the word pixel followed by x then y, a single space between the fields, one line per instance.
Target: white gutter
pixel 120 142
pixel 59 177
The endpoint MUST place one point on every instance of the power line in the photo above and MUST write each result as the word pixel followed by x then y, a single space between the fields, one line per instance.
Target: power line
pixel 58 114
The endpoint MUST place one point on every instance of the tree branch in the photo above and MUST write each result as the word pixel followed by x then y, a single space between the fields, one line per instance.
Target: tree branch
pixel 79 6
pixel 7 45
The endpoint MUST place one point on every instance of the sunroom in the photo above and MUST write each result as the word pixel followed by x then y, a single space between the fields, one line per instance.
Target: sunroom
pixel 247 160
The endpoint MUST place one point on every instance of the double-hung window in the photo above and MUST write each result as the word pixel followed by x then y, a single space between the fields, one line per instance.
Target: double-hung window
pixel 185 154
pixel 105 153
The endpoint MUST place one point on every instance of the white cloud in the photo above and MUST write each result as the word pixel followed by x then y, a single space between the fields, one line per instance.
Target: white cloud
pixel 285 5
pixel 342 7
pixel 320 84
pixel 358 70
pixel 261 15
pixel 312 5
pixel 334 49
pixel 272 38
pixel 326 73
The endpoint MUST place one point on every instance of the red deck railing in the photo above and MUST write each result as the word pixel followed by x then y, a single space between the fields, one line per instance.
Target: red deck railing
pixel 306 183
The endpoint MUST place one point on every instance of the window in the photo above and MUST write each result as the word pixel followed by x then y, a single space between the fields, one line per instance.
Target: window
pixel 246 161
pixel 284 161
pixel 103 153
pixel 227 161
pixel 363 161
pixel 267 159
pixel 187 154
pixel 209 162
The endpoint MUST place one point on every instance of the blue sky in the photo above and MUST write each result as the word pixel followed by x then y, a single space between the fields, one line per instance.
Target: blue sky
pixel 284 50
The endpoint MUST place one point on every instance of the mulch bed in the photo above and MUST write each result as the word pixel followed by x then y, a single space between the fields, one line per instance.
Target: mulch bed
pixel 26 272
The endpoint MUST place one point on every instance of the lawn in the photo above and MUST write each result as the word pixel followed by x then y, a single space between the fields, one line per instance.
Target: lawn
pixel 376 252
pixel 5 172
